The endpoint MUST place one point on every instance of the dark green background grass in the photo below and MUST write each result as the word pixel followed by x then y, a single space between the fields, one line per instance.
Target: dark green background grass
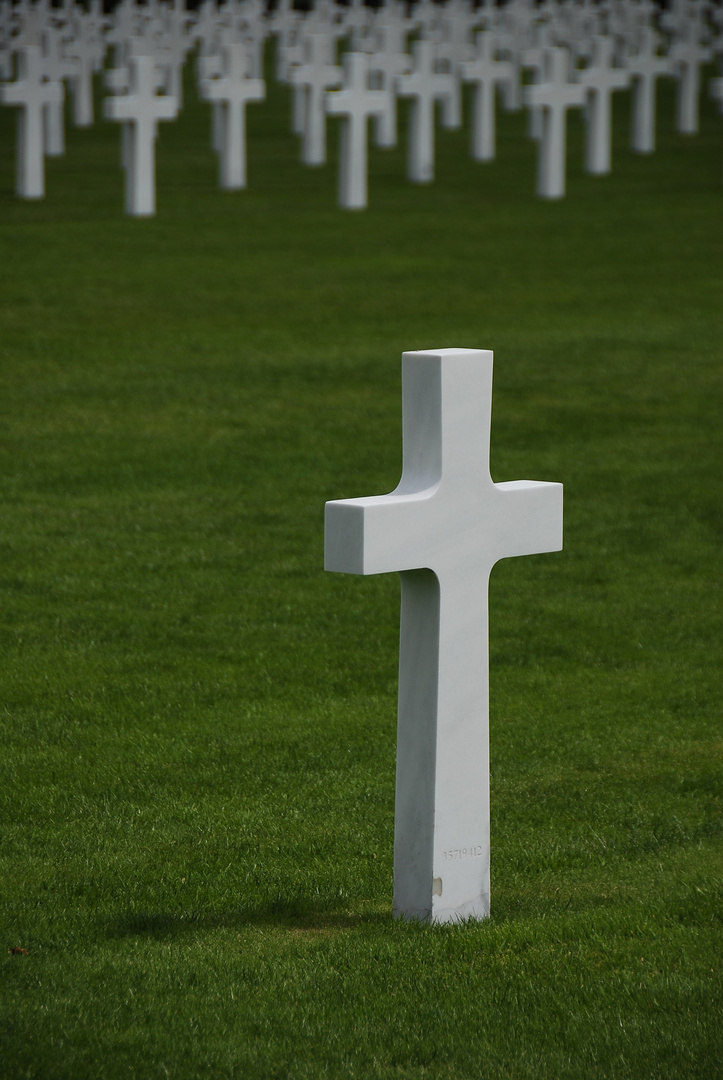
pixel 198 724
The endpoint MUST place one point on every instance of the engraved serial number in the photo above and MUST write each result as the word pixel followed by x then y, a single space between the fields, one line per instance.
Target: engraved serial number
pixel 453 854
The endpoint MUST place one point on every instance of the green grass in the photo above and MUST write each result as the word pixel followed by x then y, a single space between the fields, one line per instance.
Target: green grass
pixel 198 724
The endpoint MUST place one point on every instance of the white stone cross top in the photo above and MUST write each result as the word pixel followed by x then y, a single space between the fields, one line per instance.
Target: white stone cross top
pixel 57 67
pixel 355 20
pixel 644 67
pixel 600 79
pixel 141 109
pixel 176 41
pixel 453 48
pixel 34 94
pixel 443 528
pixel 315 76
pixel 283 23
pixel 385 66
pixel 231 92
pixel 687 55
pixel 424 86
pixel 425 14
pixel 485 72
pixel 355 102
pixel 554 95
pixel 87 49
pixel 534 59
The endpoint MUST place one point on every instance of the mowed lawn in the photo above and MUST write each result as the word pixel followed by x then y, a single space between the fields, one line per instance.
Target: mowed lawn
pixel 198 723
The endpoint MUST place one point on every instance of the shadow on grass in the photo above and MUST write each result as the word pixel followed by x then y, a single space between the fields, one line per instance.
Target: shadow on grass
pixel 300 916
pixel 288 915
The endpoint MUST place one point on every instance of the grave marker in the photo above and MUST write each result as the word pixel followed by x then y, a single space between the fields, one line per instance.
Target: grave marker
pixel 229 93
pixel 424 86
pixel 283 24
pixel 534 60
pixel 644 67
pixel 454 47
pixel 600 79
pixel 139 111
pixel 355 103
pixel 33 93
pixel 485 73
pixel 687 55
pixel 443 529
pixel 314 77
pixel 87 49
pixel 554 96
pixel 56 67
pixel 385 66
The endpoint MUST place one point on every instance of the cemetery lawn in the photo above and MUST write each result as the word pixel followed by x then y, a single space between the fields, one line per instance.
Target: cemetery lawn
pixel 198 723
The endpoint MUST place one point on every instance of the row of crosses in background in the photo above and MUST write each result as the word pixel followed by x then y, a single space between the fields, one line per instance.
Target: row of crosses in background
pixel 576 56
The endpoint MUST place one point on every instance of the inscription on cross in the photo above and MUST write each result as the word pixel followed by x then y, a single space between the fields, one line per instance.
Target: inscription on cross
pixel 443 528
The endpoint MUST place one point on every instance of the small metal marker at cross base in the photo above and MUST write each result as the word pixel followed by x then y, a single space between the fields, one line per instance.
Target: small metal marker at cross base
pixel 443 528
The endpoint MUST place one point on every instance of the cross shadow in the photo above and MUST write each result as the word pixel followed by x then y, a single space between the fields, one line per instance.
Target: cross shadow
pixel 291 916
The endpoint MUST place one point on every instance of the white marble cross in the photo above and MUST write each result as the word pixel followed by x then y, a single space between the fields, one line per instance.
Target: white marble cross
pixel 644 67
pixel 283 24
pixel 385 66
pixel 314 77
pixel 426 14
pixel 454 47
pixel 355 103
pixel 600 79
pixel 533 59
pixel 87 49
pixel 209 27
pixel 686 55
pixel 424 86
pixel 249 27
pixel 485 73
pixel 176 42
pixel 513 32
pixel 443 528
pixel 33 93
pixel 56 67
pixel 355 19
pixel 140 110
pixel 29 21
pixel 555 95
pixel 230 93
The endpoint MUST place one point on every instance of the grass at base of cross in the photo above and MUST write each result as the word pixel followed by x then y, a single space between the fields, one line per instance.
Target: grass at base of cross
pixel 197 778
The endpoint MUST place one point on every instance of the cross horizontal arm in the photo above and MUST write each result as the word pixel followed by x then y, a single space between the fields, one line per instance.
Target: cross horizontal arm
pixel 532 514
pixel 374 535
pixel 383 533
